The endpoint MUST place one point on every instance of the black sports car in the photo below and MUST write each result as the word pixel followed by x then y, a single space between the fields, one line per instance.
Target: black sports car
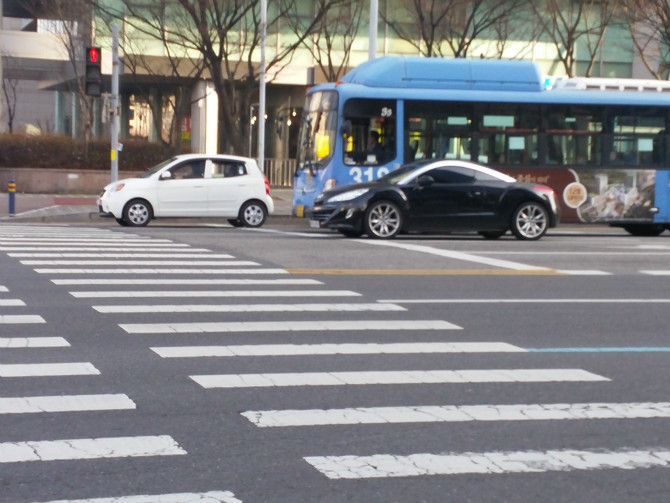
pixel 438 196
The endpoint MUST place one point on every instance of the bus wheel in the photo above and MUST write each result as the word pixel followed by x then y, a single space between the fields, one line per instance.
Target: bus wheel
pixel 648 230
pixel 383 220
pixel 530 221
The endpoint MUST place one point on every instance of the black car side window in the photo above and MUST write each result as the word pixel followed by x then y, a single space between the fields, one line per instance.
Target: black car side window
pixel 452 175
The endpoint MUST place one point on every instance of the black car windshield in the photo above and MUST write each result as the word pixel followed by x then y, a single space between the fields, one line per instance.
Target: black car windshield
pixel 400 174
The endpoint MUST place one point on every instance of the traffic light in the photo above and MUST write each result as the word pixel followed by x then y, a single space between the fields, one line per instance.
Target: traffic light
pixel 93 71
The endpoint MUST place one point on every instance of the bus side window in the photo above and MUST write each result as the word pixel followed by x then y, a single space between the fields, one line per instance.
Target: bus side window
pixel 364 118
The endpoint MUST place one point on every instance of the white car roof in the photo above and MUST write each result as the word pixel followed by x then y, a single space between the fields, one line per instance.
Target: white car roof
pixel 227 157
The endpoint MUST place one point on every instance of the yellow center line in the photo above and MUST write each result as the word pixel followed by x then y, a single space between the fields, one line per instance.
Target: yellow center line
pixel 429 272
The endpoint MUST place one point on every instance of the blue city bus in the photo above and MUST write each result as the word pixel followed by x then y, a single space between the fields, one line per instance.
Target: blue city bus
pixel 601 144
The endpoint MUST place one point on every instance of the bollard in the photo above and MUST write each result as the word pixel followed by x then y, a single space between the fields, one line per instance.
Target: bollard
pixel 11 191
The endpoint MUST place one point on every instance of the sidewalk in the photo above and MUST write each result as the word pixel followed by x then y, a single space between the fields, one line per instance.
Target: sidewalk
pixel 55 208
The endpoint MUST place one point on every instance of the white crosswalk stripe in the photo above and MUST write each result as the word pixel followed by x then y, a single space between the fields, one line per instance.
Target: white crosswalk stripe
pixel 160 271
pixel 249 308
pixel 185 281
pixel 189 262
pixel 177 249
pixel 288 326
pixel 211 293
pixel 453 413
pixel 184 254
pixel 208 497
pixel 32 342
pixel 335 349
pixel 65 403
pixel 12 303
pixel 386 465
pixel 17 319
pixel 47 369
pixel 396 377
pixel 89 448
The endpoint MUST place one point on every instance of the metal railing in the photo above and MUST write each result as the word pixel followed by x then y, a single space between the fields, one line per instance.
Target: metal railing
pixel 280 172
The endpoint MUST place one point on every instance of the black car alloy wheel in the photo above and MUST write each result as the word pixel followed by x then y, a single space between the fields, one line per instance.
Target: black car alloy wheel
pixel 383 220
pixel 530 221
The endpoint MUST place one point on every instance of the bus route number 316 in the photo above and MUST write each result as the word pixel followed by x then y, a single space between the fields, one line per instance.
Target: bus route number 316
pixel 360 175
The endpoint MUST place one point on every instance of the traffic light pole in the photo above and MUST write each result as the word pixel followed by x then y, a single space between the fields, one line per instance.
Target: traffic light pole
pixel 115 122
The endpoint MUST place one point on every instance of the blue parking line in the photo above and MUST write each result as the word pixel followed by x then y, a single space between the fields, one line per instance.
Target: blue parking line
pixel 660 349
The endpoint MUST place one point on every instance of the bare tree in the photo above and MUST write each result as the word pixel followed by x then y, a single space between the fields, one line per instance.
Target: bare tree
pixel 225 35
pixel 70 20
pixel 448 27
pixel 9 97
pixel 649 24
pixel 144 25
pixel 333 36
pixel 569 22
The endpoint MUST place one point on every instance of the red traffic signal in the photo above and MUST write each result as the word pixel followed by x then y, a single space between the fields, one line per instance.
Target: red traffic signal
pixel 93 78
pixel 93 55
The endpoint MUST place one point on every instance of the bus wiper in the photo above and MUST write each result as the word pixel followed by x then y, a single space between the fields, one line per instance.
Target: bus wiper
pixel 313 166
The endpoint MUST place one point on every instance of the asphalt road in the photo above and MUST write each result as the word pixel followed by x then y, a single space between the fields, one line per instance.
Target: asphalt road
pixel 191 362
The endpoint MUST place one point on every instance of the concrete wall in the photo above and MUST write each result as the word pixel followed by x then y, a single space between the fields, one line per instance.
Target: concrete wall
pixel 56 181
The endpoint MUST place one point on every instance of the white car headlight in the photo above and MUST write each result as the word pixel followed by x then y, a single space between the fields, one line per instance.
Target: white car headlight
pixel 347 196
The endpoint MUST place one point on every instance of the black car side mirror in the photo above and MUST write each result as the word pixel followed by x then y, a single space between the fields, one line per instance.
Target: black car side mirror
pixel 425 181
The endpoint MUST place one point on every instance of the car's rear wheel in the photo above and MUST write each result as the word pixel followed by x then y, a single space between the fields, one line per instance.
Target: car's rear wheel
pixel 137 213
pixel 253 214
pixel 383 220
pixel 530 221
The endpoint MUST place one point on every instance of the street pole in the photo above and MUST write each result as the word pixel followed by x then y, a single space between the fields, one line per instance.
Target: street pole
pixel 261 101
pixel 115 103
pixel 374 21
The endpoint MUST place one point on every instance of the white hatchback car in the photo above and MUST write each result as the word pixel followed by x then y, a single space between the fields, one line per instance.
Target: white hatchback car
pixel 192 185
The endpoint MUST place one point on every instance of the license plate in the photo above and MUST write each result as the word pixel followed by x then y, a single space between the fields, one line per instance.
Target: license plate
pixel 314 224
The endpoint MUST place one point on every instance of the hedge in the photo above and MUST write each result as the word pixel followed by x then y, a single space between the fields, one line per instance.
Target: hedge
pixel 53 151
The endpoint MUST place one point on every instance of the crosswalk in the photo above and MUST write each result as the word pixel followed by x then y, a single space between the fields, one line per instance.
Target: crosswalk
pixel 103 268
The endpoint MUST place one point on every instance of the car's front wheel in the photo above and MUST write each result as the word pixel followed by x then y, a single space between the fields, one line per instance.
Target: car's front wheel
pixel 383 220
pixel 253 214
pixel 530 221
pixel 137 213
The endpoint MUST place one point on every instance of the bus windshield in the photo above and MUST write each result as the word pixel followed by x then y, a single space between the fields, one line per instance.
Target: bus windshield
pixel 318 131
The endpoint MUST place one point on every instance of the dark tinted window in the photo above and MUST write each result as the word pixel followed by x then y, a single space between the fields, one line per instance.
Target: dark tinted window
pixel 454 174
